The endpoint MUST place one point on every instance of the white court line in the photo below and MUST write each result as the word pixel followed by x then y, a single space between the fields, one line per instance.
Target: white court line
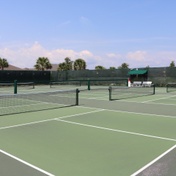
pixel 168 104
pixel 26 163
pixel 122 100
pixel 98 127
pixel 147 102
pixel 25 124
pixel 116 130
pixel 92 126
pixel 31 123
pixel 98 98
pixel 144 114
pixel 104 98
pixel 63 117
pixel 47 120
pixel 79 114
pixel 159 99
pixel 152 162
pixel 128 112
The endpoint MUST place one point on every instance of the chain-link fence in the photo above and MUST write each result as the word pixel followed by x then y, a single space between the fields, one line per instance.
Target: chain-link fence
pixel 88 74
pixel 160 76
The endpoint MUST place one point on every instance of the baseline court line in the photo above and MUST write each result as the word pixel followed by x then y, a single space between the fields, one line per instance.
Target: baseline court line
pixel 152 162
pixel 26 163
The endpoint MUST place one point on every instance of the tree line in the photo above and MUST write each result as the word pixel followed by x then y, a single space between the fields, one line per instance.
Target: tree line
pixel 43 63
pixel 79 64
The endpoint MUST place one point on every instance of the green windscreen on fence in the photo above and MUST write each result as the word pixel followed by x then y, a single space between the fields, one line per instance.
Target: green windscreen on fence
pixel 8 76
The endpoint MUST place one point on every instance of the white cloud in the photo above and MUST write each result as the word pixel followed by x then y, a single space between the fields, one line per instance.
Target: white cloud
pixel 140 59
pixel 111 55
pixel 162 58
pixel 27 55
pixel 152 59
pixel 138 56
pixel 65 23
pixel 85 21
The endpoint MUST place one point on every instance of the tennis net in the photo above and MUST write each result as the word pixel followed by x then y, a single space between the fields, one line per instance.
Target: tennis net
pixel 20 85
pixel 117 93
pixel 6 87
pixel 171 87
pixel 30 85
pixel 105 83
pixel 21 103
pixel 25 84
pixel 64 84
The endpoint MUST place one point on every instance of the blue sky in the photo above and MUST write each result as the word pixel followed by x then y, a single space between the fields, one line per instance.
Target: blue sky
pixel 102 32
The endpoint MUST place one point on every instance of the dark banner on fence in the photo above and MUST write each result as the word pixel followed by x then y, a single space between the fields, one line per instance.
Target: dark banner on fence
pixel 25 76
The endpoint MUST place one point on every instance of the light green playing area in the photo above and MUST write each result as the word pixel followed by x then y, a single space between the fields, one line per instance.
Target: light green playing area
pixel 99 137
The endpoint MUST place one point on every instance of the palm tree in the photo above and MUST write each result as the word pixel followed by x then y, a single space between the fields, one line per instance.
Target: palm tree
pixel 99 67
pixel 112 68
pixel 3 63
pixel 43 63
pixel 172 64
pixel 79 64
pixel 62 66
pixel 124 66
pixel 67 65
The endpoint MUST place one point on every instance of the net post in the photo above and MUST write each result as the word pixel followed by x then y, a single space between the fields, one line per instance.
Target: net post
pixel 33 85
pixel 153 89
pixel 167 88
pixel 50 84
pixel 88 83
pixel 77 97
pixel 110 93
pixel 15 86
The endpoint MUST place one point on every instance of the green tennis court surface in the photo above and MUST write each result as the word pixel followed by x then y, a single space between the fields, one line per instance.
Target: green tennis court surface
pixel 131 136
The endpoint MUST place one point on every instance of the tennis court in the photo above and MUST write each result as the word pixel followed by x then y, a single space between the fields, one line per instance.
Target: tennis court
pixel 129 136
